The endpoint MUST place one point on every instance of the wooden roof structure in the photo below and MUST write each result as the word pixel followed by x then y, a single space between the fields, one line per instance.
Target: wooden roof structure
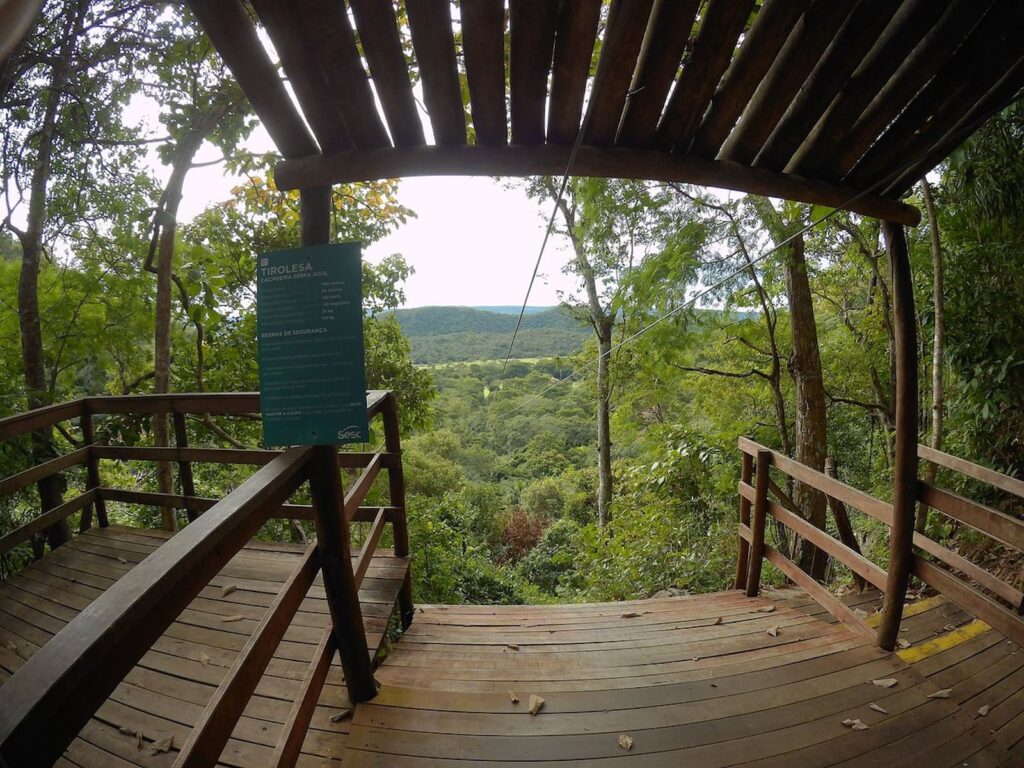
pixel 838 102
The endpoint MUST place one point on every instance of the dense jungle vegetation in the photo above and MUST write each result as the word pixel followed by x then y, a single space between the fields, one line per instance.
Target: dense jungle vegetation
pixel 605 470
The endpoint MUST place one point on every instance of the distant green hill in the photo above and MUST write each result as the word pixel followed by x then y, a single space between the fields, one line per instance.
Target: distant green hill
pixel 452 334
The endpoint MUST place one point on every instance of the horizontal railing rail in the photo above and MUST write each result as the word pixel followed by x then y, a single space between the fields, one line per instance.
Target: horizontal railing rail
pixel 59 688
pixel 934 564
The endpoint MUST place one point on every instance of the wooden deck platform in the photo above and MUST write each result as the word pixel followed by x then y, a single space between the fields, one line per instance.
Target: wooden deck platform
pixel 164 695
pixel 709 680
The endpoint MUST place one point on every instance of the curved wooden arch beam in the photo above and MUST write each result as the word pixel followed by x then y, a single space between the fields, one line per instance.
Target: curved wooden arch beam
pixel 605 162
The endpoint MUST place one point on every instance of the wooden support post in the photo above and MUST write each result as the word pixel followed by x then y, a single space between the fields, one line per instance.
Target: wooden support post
pixel 329 509
pixel 904 490
pixel 396 487
pixel 92 465
pixel 188 485
pixel 846 534
pixel 746 473
pixel 339 580
pixel 756 557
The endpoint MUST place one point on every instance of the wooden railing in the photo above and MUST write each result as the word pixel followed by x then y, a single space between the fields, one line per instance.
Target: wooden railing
pixel 964 582
pixel 58 688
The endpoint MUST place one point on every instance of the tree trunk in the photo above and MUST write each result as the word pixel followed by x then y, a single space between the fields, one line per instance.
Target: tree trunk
pixel 168 226
pixel 938 347
pixel 604 438
pixel 37 390
pixel 811 426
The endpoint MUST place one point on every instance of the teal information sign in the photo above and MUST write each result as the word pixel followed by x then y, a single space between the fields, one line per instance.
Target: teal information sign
pixel 309 319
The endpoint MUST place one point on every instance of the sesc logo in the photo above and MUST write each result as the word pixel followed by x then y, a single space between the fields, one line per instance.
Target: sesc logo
pixel 350 433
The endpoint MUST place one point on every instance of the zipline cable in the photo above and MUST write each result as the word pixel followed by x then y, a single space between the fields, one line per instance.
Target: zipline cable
pixel 547 234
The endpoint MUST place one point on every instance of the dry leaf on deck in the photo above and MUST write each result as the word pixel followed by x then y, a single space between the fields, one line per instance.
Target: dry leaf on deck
pixel 902 644
pixel 885 682
pixel 122 560
pixel 536 702
pixel 512 697
pixel 855 724
pixel 766 609
pixel 877 708
pixel 512 646
pixel 945 693
pixel 716 622
pixel 138 741
pixel 630 615
pixel 236 617
pixel 625 741
pixel 164 745
pixel 983 710
pixel 203 658
pixel 774 631
pixel 228 590
pixel 337 717
pixel 860 613
pixel 10 644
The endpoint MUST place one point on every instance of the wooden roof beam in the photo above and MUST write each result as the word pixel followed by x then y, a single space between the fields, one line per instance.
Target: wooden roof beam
pixel 804 48
pixel 233 35
pixel 483 46
pixel 858 34
pixel 913 74
pixel 976 62
pixel 911 23
pixel 434 43
pixel 771 28
pixel 532 25
pixel 327 31
pixel 305 75
pixel 627 24
pixel 575 34
pixel 382 46
pixel 720 26
pixel 672 21
pixel 605 162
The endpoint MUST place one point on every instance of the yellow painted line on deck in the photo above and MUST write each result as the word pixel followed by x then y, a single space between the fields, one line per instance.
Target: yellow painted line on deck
pixel 913 609
pixel 943 642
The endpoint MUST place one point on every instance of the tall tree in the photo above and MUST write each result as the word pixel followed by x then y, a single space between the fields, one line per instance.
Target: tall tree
pixel 199 104
pixel 62 87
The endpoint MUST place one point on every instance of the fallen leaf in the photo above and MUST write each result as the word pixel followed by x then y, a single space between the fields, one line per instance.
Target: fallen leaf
pixel 902 644
pixel 630 615
pixel 122 560
pixel 512 646
pixel 766 609
pixel 774 631
pixel 10 644
pixel 228 590
pixel 860 613
pixel 337 717
pixel 877 708
pixel 695 658
pixel 626 742
pixel 855 724
pixel 126 730
pixel 138 741
pixel 164 745
pixel 885 682
pixel 945 693
pixel 716 622
pixel 949 627
pixel 203 659
pixel 236 617
pixel 512 697
pixel 983 710
pixel 536 702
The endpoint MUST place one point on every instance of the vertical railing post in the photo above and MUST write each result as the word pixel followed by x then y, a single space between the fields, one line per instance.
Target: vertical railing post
pixel 332 537
pixel 396 487
pixel 846 534
pixel 904 478
pixel 329 508
pixel 746 473
pixel 92 468
pixel 757 526
pixel 188 485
